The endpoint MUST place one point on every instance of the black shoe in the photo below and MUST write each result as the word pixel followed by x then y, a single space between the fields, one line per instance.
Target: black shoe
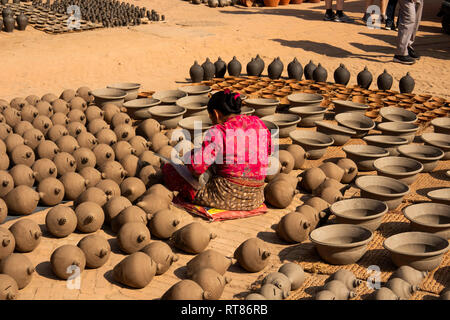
pixel 366 16
pixel 390 26
pixel 329 16
pixel 404 59
pixel 413 54
pixel 342 18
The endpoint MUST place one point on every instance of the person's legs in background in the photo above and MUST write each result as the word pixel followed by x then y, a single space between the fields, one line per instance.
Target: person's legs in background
pixel 366 14
pixel 390 14
pixel 329 14
pixel 410 14
pixel 339 16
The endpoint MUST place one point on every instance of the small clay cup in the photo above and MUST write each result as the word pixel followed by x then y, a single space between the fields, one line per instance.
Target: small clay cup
pixel 389 143
pixel 355 121
pixel 382 188
pixel 429 217
pixel 339 134
pixel 341 244
pixel 400 168
pixel 364 212
pixel 341 106
pixel 315 143
pixel 309 114
pixel 402 129
pixel 397 115
pixel 263 107
pixel 441 125
pixel 169 116
pixel 427 155
pixel 285 122
pixel 439 140
pixel 440 195
pixel 419 250
pixel 195 105
pixel 304 99
pixel 364 155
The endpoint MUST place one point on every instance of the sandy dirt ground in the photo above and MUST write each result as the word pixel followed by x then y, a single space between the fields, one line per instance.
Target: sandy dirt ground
pixel 159 55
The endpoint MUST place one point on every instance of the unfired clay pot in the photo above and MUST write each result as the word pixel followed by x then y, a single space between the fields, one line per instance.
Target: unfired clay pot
pixel 195 90
pixel 440 195
pixel 263 107
pixel 382 188
pixel 363 212
pixel 169 96
pixel 420 250
pixel 138 108
pixel 355 121
pixel 341 106
pixel 429 217
pixel 397 114
pixel 107 95
pixel 130 88
pixel 304 99
pixel 389 143
pixel 427 155
pixel 195 105
pixel 364 155
pixel 168 116
pixel 309 114
pixel 402 129
pixel 285 122
pixel 340 134
pixel 315 143
pixel 439 140
pixel 341 244
pixel 441 125
pixel 400 168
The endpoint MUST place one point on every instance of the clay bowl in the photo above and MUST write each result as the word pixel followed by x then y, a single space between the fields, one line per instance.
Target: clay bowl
pixel 168 116
pixel 169 96
pixel 195 90
pixel 427 155
pixel 195 125
pixel 440 195
pixel 341 244
pixel 129 87
pixel 429 217
pixel 315 143
pixel 364 212
pixel 402 129
pixel 309 114
pixel 397 114
pixel 356 121
pixel 108 95
pixel 441 125
pixel 138 108
pixel 263 107
pixel 400 168
pixel 285 122
pixel 304 99
pixel 247 111
pixel 420 250
pixel 339 134
pixel 364 155
pixel 341 106
pixel 273 128
pixel 382 188
pixel 389 143
pixel 195 105
pixel 439 140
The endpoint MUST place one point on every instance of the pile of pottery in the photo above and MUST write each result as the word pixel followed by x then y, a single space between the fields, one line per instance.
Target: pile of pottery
pixel 273 3
pixel 215 3
pixel 12 17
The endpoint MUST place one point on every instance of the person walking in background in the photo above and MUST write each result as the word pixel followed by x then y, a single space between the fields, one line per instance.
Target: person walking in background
pixel 339 16
pixel 410 14
pixel 383 4
pixel 390 15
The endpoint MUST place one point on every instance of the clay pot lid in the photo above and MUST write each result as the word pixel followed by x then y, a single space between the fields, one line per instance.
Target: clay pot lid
pixel 283 119
pixel 125 86
pixel 355 121
pixel 364 150
pixel 398 188
pixel 327 235
pixel 334 127
pixel 142 103
pixel 391 165
pixel 403 243
pixel 442 194
pixel 361 209
pixel 189 122
pixel 401 127
pixel 440 140
pixel 312 138
pixel 308 110
pixel 108 93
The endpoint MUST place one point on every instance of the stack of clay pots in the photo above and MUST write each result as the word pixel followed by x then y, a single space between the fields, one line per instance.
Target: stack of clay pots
pixel 215 3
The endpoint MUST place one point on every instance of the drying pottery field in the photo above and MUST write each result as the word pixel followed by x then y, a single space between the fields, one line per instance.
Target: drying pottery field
pixel 82 114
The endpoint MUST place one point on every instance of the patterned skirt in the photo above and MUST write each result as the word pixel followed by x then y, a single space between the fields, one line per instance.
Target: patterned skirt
pixel 231 194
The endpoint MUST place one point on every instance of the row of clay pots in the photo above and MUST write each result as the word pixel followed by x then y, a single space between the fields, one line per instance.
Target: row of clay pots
pixel 273 3
pixel 215 3
pixel 8 23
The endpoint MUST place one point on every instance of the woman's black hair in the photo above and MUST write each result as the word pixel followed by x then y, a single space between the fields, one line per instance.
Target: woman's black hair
pixel 226 102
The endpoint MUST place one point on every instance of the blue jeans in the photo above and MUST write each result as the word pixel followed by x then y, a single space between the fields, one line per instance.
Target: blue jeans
pixel 390 11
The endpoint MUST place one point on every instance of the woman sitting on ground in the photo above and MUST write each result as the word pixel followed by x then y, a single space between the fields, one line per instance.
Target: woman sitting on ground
pixel 235 152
